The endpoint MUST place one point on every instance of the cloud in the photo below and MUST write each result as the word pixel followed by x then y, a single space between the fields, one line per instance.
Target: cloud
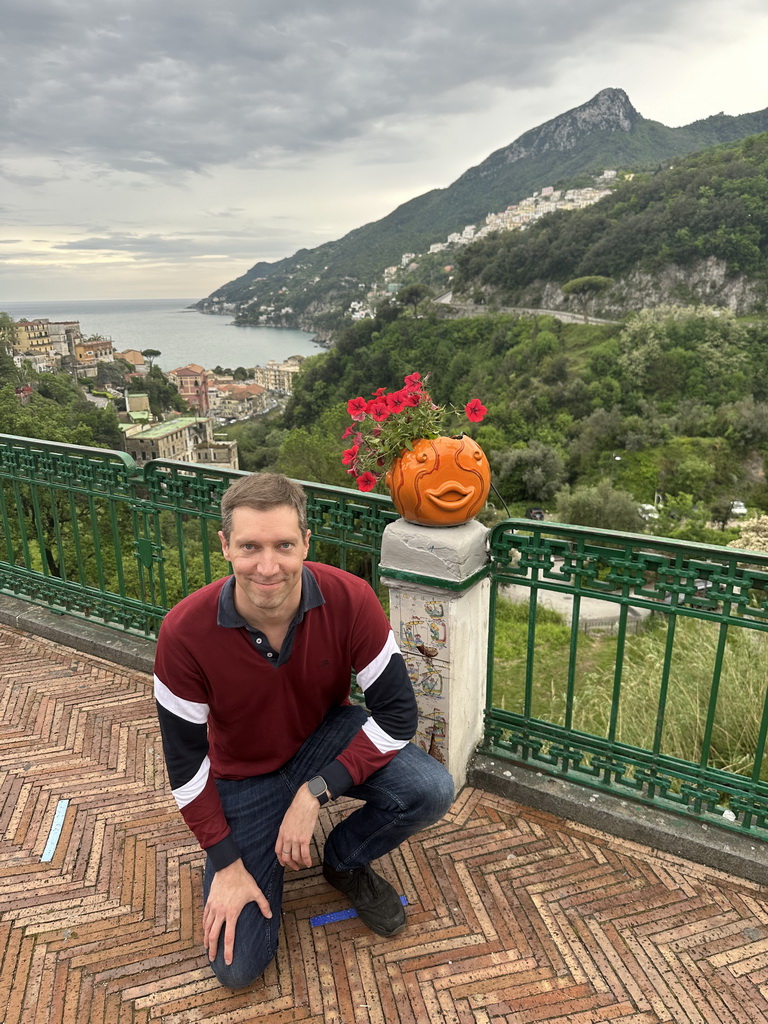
pixel 164 147
pixel 183 85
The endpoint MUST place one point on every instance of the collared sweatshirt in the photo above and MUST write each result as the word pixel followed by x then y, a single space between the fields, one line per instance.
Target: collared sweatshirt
pixel 228 712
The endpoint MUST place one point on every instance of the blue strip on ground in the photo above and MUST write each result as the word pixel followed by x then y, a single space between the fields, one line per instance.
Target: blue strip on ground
pixel 341 915
pixel 55 833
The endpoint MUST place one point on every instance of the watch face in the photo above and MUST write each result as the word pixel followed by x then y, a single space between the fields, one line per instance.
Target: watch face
pixel 317 785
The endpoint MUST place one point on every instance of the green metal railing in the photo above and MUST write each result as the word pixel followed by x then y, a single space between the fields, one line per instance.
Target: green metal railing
pixel 668 704
pixel 87 532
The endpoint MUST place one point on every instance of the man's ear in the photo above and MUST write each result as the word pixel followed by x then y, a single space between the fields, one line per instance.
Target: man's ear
pixel 224 546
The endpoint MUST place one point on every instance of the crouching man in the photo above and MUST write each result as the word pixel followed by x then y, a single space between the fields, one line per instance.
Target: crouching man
pixel 252 681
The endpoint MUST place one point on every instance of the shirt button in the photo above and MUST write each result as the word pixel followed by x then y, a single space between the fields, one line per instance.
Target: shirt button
pixel 270 655
pixel 258 639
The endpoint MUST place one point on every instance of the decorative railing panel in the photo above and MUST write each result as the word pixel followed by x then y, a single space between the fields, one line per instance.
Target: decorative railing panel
pixel 670 704
pixel 88 532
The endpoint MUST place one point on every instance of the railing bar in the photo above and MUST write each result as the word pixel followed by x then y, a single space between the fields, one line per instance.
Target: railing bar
pixel 761 741
pixel 706 743
pixel 572 656
pixel 205 548
pixel 96 527
pixel 22 524
pixel 156 570
pixel 617 674
pixel 181 549
pixel 81 570
pixel 664 685
pixel 114 526
pixel 57 535
pixel 529 654
pixel 7 532
pixel 37 518
pixel 491 660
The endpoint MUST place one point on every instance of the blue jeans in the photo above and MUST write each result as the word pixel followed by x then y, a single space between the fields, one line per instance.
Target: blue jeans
pixel 412 791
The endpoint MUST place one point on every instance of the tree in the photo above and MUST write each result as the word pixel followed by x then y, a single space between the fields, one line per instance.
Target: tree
pixel 533 473
pixel 585 290
pixel 150 354
pixel 162 394
pixel 414 295
pixel 602 507
pixel 7 332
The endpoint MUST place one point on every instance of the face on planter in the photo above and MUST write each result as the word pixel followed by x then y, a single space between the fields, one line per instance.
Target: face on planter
pixel 442 482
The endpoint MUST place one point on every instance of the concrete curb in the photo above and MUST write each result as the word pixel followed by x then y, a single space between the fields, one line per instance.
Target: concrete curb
pixel 102 642
pixel 742 856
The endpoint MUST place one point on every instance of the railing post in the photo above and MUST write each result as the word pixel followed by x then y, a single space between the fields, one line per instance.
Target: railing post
pixel 439 614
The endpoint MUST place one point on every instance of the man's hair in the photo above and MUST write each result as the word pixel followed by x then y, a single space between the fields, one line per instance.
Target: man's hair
pixel 263 491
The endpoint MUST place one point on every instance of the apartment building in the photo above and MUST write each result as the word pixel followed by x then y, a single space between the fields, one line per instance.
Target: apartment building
pixel 278 376
pixel 176 439
pixel 192 382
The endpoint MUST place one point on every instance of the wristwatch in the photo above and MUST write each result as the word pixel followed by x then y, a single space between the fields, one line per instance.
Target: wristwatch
pixel 319 787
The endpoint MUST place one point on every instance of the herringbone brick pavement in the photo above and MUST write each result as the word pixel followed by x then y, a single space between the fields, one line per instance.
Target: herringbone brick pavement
pixel 514 916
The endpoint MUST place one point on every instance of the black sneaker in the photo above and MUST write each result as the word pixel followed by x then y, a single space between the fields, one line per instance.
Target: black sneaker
pixel 377 904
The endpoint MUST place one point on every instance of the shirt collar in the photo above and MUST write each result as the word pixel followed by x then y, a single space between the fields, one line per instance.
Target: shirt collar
pixel 230 617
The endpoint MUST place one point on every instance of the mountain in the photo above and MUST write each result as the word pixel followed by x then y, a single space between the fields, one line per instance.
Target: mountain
pixel 695 232
pixel 312 288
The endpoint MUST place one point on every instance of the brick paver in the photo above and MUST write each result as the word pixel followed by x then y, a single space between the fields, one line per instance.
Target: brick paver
pixel 514 916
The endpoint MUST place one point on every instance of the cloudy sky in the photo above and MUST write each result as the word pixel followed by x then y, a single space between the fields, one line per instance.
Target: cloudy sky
pixel 159 148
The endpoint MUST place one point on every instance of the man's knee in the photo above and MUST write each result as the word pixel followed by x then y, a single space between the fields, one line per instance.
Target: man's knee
pixel 439 794
pixel 430 790
pixel 243 970
pixel 256 941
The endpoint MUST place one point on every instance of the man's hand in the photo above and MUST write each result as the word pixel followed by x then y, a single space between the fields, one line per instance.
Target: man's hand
pixel 231 889
pixel 296 831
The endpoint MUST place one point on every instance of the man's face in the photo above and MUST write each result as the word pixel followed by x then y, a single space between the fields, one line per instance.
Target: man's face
pixel 267 551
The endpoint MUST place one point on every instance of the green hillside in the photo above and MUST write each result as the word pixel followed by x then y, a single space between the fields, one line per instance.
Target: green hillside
pixel 605 132
pixel 672 401
pixel 711 205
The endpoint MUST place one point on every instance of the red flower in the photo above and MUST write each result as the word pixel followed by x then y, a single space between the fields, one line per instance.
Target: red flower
pixel 348 457
pixel 357 407
pixel 379 409
pixel 366 482
pixel 396 401
pixel 379 392
pixel 412 380
pixel 475 411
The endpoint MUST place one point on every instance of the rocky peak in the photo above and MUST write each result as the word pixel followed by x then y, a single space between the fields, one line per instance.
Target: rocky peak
pixel 610 110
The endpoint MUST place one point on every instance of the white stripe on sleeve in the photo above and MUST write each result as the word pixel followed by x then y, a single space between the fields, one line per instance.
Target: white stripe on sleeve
pixel 189 710
pixel 382 740
pixel 186 794
pixel 373 669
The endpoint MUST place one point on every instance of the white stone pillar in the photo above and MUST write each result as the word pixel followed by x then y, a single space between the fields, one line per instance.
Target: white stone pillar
pixel 439 595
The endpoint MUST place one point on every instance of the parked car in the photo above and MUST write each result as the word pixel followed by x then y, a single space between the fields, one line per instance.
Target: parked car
pixel 738 508
pixel 534 513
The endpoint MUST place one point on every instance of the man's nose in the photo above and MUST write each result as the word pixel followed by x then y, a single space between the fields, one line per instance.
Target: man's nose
pixel 267 564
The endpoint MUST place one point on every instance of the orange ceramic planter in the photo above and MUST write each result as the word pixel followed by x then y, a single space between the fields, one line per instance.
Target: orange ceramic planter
pixel 442 482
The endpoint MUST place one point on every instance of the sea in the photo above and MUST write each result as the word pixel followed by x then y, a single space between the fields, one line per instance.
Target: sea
pixel 180 334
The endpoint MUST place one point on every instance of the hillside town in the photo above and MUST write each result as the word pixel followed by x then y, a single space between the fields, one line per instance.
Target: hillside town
pixel 214 398
pixel 515 217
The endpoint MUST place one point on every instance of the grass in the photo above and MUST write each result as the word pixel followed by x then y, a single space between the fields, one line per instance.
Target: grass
pixel 738 709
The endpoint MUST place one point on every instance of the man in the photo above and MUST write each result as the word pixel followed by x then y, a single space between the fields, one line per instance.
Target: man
pixel 252 680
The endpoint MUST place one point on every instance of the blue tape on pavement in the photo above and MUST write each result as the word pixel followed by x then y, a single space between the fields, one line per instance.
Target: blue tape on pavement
pixel 55 833
pixel 341 915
